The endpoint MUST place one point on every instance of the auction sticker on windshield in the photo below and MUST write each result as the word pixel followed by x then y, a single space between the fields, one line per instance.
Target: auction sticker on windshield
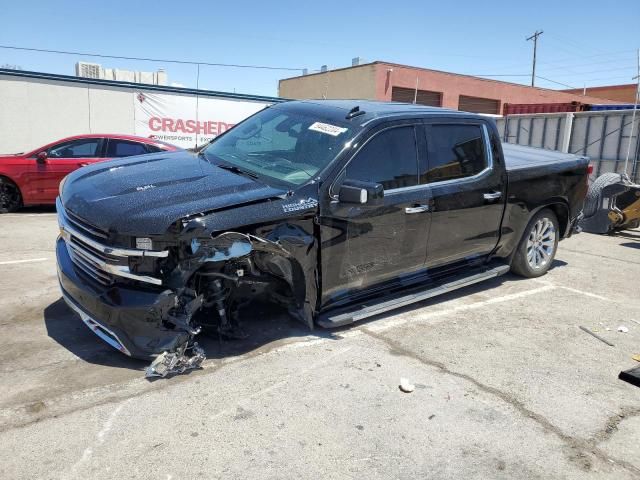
pixel 327 128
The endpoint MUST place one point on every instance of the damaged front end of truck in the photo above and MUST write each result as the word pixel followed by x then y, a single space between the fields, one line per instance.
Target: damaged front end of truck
pixel 156 249
pixel 153 301
pixel 216 274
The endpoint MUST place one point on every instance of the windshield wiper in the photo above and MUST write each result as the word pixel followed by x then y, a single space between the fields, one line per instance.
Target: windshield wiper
pixel 236 170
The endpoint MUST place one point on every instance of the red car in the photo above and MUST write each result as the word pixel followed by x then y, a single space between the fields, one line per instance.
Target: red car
pixel 33 178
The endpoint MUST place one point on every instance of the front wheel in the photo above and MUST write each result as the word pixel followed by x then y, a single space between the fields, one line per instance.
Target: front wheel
pixel 538 246
pixel 10 198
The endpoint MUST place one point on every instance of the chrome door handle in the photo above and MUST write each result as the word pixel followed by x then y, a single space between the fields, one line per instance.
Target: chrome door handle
pixel 492 195
pixel 417 209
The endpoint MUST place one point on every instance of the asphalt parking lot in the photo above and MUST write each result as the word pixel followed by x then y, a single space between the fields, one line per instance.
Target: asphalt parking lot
pixel 507 385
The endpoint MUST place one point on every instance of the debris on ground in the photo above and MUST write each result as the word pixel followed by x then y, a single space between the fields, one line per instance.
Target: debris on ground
pixel 623 329
pixel 636 357
pixel 176 362
pixel 635 321
pixel 631 376
pixel 585 329
pixel 406 386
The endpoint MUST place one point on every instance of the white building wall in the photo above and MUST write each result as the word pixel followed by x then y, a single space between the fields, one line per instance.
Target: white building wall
pixel 111 110
pixel 36 111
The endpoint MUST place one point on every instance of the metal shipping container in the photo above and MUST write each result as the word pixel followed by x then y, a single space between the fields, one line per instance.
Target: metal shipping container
pixel 604 136
pixel 527 108
pixel 599 108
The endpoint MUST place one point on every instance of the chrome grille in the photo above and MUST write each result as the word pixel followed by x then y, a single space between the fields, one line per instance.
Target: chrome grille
pixel 85 227
pixel 98 262
pixel 84 259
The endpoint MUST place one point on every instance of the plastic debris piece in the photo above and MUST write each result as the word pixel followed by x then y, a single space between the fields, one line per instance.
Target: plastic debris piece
pixel 623 329
pixel 406 386
pixel 636 357
pixel 175 363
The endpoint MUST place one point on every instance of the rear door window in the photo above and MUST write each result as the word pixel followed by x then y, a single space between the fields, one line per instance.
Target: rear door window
pixel 124 148
pixel 454 151
pixel 389 158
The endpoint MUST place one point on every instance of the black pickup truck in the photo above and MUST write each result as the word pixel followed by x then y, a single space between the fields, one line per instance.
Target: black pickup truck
pixel 336 210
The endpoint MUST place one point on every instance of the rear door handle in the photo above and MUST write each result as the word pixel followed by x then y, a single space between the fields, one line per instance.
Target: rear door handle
pixel 492 195
pixel 417 209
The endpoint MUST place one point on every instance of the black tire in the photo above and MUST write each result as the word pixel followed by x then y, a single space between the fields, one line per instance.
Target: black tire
pixel 593 200
pixel 10 197
pixel 542 242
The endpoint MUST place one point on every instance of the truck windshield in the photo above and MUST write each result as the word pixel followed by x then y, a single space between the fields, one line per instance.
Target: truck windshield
pixel 289 147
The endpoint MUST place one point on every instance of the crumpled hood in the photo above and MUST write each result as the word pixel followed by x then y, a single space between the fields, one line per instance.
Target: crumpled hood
pixel 144 195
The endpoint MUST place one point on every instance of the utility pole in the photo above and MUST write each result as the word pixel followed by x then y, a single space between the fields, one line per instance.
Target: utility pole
pixel 534 37
pixel 633 120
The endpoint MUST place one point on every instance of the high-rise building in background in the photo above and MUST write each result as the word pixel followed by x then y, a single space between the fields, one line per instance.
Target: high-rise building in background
pixel 95 70
pixel 89 70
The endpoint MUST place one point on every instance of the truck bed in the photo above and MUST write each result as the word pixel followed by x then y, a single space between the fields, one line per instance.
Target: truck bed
pixel 526 162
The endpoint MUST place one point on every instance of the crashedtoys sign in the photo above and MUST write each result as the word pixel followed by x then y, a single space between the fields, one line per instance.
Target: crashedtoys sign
pixel 187 121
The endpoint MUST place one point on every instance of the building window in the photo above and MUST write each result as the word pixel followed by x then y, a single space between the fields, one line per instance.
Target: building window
pixel 479 105
pixel 423 97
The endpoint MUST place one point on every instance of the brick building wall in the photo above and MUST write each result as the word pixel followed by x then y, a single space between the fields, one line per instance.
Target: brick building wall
pixel 389 81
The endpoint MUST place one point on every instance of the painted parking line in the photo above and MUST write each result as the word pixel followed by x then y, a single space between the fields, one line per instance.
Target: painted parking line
pixel 574 290
pixel 30 260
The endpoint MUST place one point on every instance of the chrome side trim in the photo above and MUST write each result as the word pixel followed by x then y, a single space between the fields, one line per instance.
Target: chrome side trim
pixel 100 330
pixel 488 169
pixel 487 145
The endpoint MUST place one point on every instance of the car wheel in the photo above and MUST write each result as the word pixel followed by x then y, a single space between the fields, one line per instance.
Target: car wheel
pixel 10 198
pixel 538 245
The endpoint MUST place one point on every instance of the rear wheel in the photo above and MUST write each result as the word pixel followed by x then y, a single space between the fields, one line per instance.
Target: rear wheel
pixel 10 198
pixel 593 200
pixel 538 245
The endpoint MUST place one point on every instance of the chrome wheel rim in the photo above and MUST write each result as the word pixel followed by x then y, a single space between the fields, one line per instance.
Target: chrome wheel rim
pixel 541 243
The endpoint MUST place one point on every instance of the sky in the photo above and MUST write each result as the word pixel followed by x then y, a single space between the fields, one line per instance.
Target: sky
pixel 585 42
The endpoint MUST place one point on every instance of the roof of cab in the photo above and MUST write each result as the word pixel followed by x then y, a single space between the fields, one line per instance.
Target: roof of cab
pixel 373 109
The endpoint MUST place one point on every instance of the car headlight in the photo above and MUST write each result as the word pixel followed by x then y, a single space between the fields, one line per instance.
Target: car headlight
pixel 61 187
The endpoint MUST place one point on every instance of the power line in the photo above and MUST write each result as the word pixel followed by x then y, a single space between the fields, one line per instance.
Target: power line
pixel 572 66
pixel 563 61
pixel 145 59
pixel 553 81
pixel 499 75
pixel 594 71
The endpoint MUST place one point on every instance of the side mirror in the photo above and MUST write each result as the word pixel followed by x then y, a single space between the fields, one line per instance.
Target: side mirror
pixel 362 193
pixel 41 157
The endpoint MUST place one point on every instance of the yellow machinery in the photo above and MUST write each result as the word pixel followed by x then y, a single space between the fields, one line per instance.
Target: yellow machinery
pixel 612 203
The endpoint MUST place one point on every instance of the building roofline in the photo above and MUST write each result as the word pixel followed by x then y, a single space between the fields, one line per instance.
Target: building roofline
pixel 332 70
pixel 400 65
pixel 139 86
